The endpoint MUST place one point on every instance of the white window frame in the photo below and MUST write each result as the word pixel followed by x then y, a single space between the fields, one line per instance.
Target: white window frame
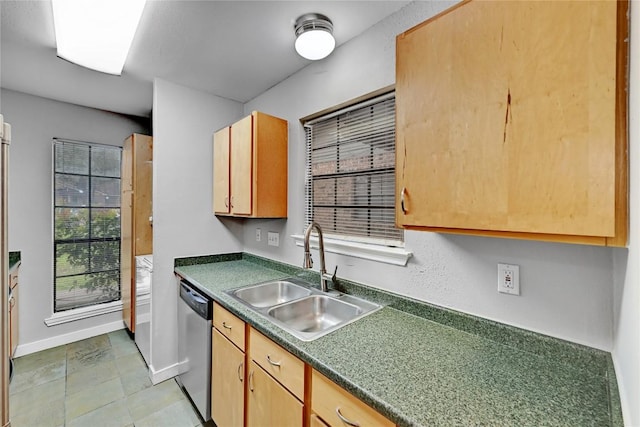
pixel 370 248
pixel 76 313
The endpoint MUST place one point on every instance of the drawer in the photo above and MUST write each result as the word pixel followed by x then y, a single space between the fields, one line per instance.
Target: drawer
pixel 287 369
pixel 229 325
pixel 331 401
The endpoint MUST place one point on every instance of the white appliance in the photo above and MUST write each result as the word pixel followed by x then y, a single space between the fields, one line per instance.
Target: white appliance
pixel 144 270
pixel 5 136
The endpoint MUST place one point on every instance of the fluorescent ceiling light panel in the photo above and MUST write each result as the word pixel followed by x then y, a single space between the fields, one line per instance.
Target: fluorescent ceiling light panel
pixel 96 34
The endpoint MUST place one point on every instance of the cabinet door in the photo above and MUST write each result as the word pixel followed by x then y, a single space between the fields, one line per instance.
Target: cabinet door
pixel 270 404
pixel 510 125
pixel 242 166
pixel 227 382
pixel 127 258
pixel 316 421
pixel 221 201
pixel 142 193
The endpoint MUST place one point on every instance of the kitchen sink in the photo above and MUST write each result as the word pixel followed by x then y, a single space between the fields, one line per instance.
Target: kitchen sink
pixel 314 313
pixel 305 312
pixel 271 293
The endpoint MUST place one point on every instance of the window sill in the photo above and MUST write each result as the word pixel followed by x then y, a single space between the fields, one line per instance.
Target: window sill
pixel 82 313
pixel 379 253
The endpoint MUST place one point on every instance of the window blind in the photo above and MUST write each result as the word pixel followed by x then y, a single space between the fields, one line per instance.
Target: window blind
pixel 86 212
pixel 350 176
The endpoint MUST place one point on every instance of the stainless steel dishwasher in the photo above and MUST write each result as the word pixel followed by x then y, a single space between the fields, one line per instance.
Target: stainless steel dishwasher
pixel 195 311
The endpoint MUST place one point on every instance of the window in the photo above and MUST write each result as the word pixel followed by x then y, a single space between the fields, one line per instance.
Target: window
pixel 86 215
pixel 350 188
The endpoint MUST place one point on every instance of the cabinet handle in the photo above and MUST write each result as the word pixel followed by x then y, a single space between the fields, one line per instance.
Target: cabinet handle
pixel 12 302
pixel 402 205
pixel 231 203
pixel 272 362
pixel 345 420
pixel 224 325
pixel 251 381
pixel 226 202
pixel 239 372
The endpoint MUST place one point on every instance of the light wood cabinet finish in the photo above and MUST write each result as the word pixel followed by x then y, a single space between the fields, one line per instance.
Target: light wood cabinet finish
pixel 135 213
pixel 242 166
pixel 278 362
pixel 511 121
pixel 257 158
pixel 229 325
pixel 316 421
pixel 328 400
pixel 221 185
pixel 227 382
pixel 269 403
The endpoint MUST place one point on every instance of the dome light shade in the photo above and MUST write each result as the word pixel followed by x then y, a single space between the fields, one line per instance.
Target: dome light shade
pixel 314 36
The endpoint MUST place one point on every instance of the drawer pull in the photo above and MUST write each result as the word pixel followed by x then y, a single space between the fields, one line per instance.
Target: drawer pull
pixel 251 381
pixel 224 325
pixel 402 206
pixel 345 420
pixel 272 362
pixel 239 372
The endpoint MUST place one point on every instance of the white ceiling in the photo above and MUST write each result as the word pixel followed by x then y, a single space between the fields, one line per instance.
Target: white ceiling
pixel 233 49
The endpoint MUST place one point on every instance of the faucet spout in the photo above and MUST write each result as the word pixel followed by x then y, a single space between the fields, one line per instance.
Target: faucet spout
pixel 308 262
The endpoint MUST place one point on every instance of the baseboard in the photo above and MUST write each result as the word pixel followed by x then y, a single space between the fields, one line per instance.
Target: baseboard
pixel 34 347
pixel 157 376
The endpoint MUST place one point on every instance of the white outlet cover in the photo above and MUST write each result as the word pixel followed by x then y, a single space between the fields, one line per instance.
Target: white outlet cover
pixel 509 279
pixel 273 239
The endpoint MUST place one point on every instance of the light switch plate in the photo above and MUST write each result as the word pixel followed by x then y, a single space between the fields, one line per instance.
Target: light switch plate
pixel 509 279
pixel 258 234
pixel 273 239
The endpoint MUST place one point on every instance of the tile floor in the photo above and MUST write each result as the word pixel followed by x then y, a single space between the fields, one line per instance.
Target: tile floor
pixel 100 381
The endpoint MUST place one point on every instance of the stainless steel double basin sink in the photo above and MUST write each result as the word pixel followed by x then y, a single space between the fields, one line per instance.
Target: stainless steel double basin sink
pixel 305 312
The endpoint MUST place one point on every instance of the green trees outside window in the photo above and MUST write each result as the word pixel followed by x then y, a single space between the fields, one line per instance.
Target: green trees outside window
pixel 86 224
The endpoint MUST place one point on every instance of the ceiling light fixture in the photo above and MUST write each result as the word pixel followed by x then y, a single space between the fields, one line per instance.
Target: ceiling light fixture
pixel 314 36
pixel 96 34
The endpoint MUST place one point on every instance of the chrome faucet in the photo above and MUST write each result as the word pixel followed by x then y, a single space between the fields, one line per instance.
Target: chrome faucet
pixel 308 262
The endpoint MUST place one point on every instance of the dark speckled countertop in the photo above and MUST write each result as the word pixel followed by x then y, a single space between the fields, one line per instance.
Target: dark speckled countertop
pixel 422 365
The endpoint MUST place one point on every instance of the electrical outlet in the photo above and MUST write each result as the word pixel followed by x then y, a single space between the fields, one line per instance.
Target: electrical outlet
pixel 509 279
pixel 273 239
pixel 258 234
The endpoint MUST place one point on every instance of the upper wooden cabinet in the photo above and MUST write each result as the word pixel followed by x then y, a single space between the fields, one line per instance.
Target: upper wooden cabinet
pixel 512 121
pixel 250 168
pixel 135 217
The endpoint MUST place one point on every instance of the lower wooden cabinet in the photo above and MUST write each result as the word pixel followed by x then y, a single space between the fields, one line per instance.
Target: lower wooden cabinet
pixel 337 407
pixel 227 382
pixel 266 386
pixel 283 366
pixel 269 403
pixel 316 421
